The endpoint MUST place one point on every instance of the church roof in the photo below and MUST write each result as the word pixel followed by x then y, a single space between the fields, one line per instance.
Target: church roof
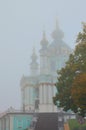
pixel 58 44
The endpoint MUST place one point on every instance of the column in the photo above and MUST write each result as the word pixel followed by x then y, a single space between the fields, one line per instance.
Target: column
pixel 44 93
pixel 50 94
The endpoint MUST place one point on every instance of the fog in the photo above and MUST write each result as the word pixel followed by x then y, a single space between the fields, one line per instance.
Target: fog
pixel 21 25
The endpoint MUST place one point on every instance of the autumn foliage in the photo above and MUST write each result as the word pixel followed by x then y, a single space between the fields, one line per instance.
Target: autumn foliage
pixel 71 83
pixel 78 90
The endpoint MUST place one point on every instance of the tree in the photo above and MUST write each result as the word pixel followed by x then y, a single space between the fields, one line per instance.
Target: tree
pixel 68 77
pixel 78 92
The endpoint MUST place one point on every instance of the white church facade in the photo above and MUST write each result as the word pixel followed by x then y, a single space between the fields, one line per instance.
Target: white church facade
pixel 38 89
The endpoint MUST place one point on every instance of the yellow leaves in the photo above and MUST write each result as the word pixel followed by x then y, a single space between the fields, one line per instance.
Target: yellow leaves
pixel 78 90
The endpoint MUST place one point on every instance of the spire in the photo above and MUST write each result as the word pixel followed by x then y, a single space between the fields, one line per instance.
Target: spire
pixel 44 35
pixel 34 56
pixel 57 33
pixel 44 41
pixel 34 64
pixel 57 24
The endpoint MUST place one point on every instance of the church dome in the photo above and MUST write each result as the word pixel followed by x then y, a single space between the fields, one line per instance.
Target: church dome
pixel 58 46
pixel 57 34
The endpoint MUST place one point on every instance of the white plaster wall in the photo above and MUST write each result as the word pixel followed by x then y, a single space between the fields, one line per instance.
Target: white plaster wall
pixel 47 108
pixel 29 104
pixel 11 122
pixel 44 93
pixel 29 107
pixel 40 94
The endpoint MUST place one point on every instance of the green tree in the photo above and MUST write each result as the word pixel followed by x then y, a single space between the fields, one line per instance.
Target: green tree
pixel 76 65
pixel 78 92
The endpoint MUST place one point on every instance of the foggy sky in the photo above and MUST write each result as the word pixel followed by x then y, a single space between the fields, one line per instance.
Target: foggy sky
pixel 21 26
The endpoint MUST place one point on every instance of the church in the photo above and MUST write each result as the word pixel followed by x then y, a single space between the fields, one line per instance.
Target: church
pixel 38 89
pixel 37 110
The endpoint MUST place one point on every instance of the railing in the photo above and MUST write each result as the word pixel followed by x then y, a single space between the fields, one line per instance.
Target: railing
pixel 12 110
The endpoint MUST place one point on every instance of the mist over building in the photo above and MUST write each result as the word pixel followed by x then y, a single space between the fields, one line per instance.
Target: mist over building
pixel 38 88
